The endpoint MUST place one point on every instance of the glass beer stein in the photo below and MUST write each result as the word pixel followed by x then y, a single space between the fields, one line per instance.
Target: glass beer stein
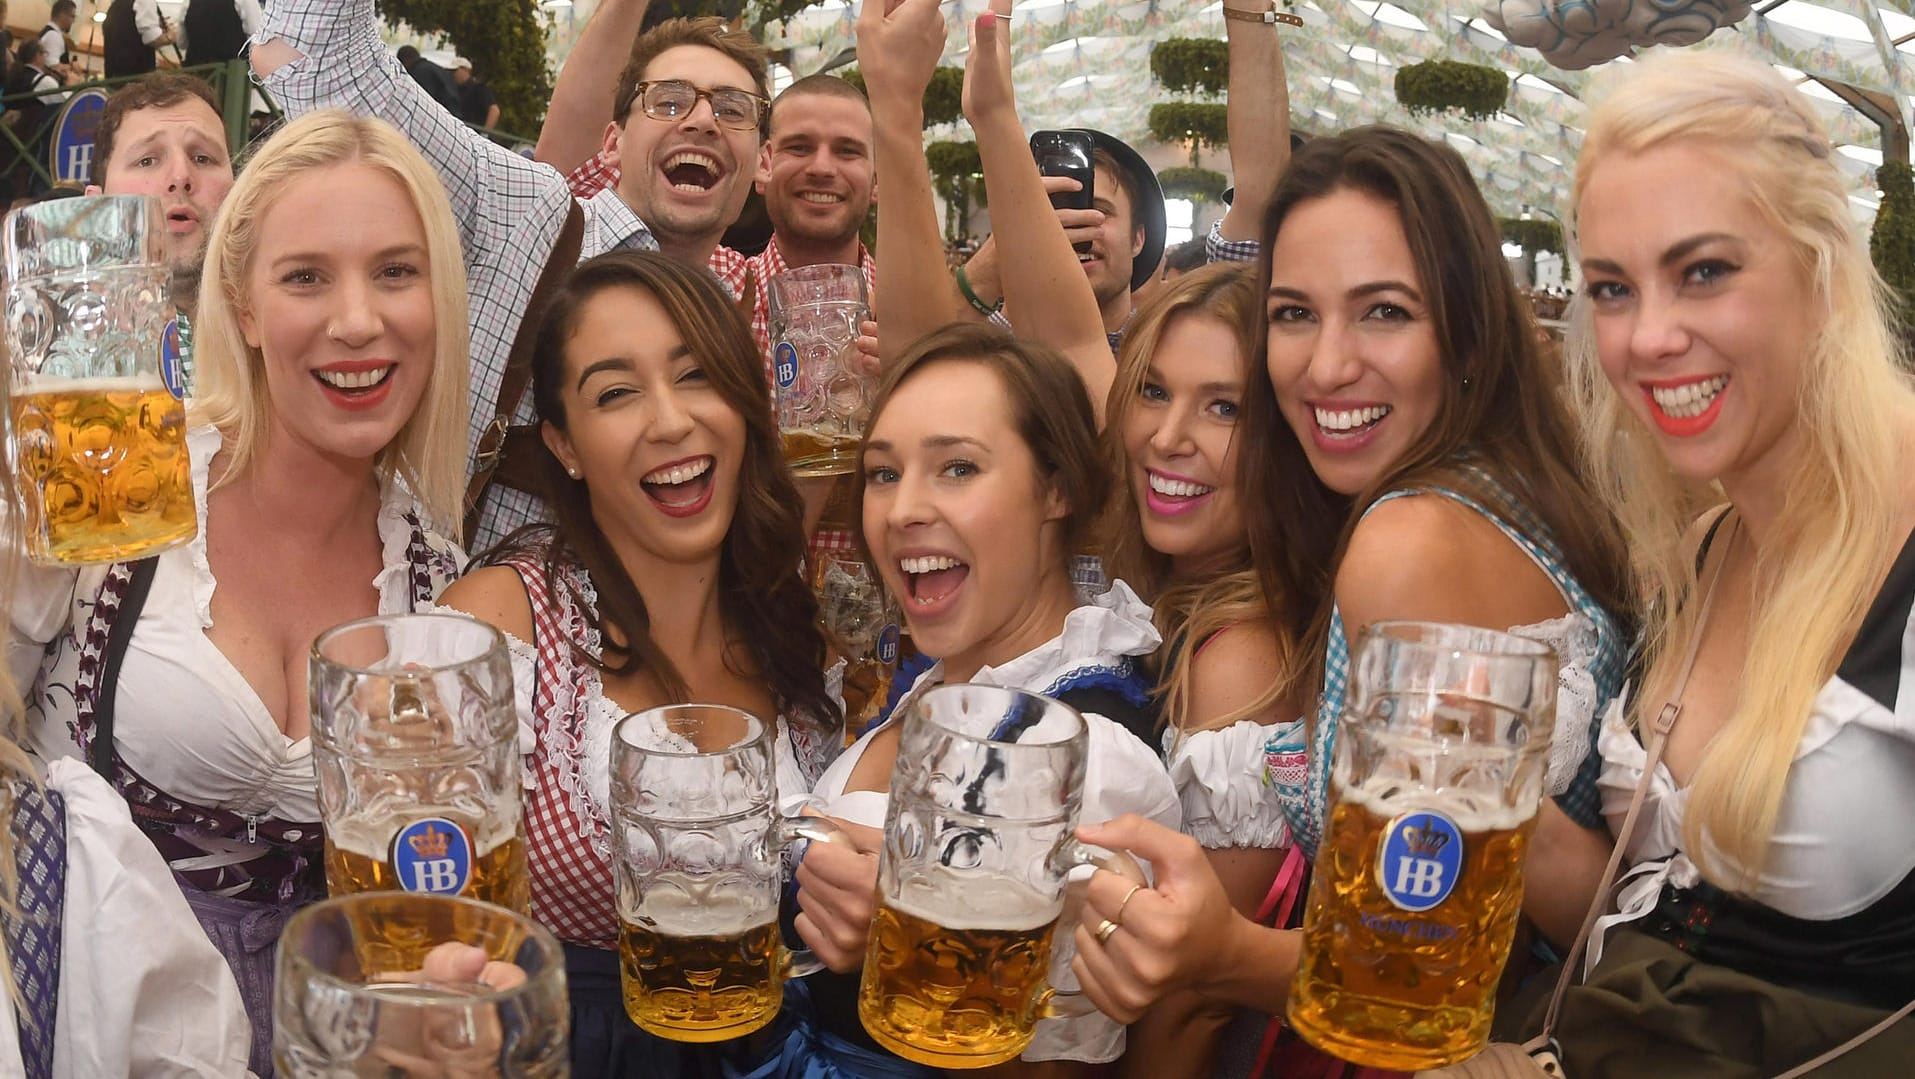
pixel 698 844
pixel 354 995
pixel 1440 755
pixel 971 877
pixel 97 430
pixel 823 400
pixel 415 746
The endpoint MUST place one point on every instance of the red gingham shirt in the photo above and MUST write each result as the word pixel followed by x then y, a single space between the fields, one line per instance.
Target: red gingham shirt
pixel 731 268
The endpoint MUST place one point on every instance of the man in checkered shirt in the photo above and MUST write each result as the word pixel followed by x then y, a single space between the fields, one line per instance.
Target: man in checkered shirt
pixel 685 175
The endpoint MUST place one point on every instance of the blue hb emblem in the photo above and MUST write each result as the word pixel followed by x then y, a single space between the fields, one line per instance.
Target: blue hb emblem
pixel 786 367
pixel 1419 860
pixel 170 360
pixel 432 855
pixel 888 644
pixel 70 139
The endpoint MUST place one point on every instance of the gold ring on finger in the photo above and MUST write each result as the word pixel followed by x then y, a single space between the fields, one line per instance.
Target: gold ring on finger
pixel 1104 929
pixel 1134 889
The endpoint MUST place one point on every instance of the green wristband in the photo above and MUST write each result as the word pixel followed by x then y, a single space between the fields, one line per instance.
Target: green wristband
pixel 964 286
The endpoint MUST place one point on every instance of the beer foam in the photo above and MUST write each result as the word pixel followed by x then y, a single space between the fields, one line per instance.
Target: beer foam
pixel 1472 811
pixel 974 902
pixel 679 906
pixel 43 383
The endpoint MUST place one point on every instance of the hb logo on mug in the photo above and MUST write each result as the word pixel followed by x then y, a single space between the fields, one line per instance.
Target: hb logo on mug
pixel 1419 860
pixel 433 855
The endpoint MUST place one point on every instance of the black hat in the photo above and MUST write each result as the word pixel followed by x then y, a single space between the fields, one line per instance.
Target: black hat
pixel 1150 214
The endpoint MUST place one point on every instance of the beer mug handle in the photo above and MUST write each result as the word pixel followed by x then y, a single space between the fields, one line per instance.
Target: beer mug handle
pixel 800 961
pixel 1057 1003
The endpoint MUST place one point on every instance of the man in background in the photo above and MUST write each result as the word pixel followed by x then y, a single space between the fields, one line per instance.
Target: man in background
pixel 56 47
pixel 478 106
pixel 132 36
pixel 436 81
pixel 162 136
pixel 215 31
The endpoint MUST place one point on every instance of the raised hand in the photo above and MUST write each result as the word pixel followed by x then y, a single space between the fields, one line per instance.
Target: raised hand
pixel 987 67
pixel 899 44
pixel 837 895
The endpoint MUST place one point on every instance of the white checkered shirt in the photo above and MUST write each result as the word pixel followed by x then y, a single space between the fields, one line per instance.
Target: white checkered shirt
pixel 510 210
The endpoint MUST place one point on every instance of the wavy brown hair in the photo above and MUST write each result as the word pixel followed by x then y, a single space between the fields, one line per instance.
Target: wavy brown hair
pixel 765 603
pixel 1505 411
pixel 1187 612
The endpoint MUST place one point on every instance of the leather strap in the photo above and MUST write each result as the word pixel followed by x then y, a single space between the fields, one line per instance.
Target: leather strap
pixel 105 756
pixel 500 436
pixel 1659 737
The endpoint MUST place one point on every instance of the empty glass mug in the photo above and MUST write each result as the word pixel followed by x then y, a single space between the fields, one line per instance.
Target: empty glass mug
pixel 356 995
pixel 97 430
pixel 1440 755
pixel 415 746
pixel 972 874
pixel 823 398
pixel 698 844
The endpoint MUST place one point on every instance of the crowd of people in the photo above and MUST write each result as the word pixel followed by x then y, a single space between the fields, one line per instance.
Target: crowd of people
pixel 406 345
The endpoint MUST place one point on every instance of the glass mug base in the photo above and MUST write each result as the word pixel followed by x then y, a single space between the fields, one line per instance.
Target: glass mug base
pixel 1458 1033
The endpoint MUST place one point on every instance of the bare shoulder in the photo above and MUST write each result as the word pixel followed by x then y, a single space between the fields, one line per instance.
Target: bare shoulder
pixel 494 595
pixel 1432 558
pixel 1232 671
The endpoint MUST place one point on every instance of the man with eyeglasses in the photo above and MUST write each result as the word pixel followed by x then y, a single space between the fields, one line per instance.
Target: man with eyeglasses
pixel 687 124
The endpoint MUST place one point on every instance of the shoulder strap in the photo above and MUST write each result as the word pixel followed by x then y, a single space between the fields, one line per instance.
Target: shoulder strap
pixel 1112 704
pixel 518 375
pixel 1665 722
pixel 33 932
pixel 104 756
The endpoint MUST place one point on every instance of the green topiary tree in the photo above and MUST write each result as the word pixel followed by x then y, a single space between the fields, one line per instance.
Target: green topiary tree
pixel 1197 185
pixel 505 38
pixel 1445 85
pixel 943 98
pixel 1532 234
pixel 958 173
pixel 1892 242
pixel 1191 65
pixel 1199 125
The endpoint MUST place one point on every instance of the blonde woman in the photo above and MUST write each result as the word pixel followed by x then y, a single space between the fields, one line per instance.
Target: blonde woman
pixel 1177 535
pixel 327 447
pixel 1731 345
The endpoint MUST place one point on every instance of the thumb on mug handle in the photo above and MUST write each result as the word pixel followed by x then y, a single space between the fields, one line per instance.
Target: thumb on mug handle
pixel 817 829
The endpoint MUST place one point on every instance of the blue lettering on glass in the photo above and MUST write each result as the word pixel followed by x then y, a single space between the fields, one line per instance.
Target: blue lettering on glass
pixel 785 369
pixel 888 644
pixel 432 855
pixel 170 371
pixel 1419 860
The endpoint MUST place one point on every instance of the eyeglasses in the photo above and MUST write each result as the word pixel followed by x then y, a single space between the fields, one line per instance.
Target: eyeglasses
pixel 673 99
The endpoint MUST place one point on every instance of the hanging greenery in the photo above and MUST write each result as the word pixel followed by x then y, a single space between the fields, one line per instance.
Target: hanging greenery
pixel 958 174
pixel 505 38
pixel 1197 185
pixel 1443 85
pixel 943 98
pixel 1892 242
pixel 1191 65
pixel 1197 125
pixel 1533 235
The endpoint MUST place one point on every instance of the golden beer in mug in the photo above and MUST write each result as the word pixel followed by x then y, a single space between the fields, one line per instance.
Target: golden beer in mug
pixel 823 397
pixel 415 746
pixel 968 938
pixel 1418 883
pixel 698 859
pixel 97 428
pixel 971 964
pixel 701 973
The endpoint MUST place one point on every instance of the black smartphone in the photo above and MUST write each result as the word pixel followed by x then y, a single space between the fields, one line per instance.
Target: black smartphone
pixel 1066 153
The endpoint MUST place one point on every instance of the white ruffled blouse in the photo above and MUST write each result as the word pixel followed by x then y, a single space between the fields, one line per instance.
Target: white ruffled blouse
pixel 187 720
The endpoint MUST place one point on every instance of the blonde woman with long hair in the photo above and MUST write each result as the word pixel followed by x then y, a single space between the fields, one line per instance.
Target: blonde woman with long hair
pixel 1731 345
pixel 327 445
pixel 1177 535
